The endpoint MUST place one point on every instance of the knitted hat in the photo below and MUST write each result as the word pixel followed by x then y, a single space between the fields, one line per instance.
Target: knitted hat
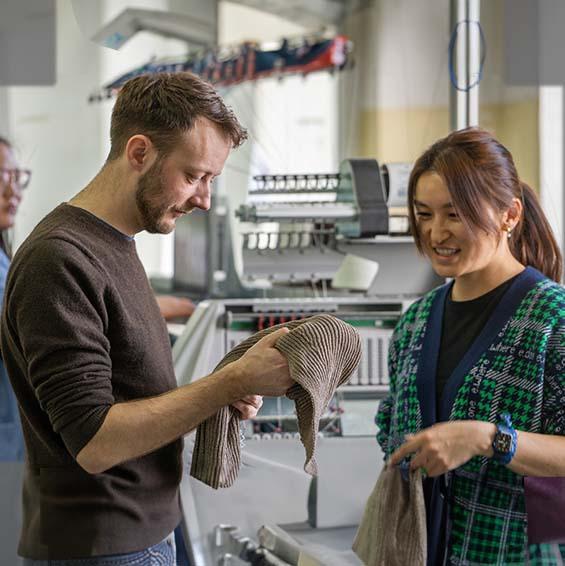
pixel 322 352
pixel 393 529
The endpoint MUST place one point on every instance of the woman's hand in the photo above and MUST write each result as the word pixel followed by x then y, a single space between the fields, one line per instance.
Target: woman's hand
pixel 446 446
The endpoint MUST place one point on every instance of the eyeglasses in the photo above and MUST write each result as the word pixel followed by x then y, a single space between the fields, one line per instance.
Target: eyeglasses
pixel 20 177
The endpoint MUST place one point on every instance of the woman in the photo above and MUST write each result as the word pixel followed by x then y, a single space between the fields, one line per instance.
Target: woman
pixel 12 182
pixel 477 365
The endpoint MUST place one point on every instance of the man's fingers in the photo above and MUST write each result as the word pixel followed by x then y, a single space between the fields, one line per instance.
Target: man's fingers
pixel 246 410
pixel 249 404
pixel 254 400
pixel 271 339
pixel 239 405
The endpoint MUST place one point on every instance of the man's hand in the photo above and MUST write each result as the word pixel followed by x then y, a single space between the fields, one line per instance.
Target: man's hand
pixel 263 369
pixel 249 406
pixel 446 446
pixel 174 307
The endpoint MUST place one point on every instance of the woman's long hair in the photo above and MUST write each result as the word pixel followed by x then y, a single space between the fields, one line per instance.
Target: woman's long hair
pixel 480 174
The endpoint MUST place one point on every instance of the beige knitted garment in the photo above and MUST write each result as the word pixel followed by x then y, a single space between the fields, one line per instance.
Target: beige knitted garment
pixel 393 529
pixel 322 352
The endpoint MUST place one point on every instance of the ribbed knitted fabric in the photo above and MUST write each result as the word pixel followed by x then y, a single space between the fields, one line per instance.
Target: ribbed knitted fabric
pixel 322 352
pixel 393 529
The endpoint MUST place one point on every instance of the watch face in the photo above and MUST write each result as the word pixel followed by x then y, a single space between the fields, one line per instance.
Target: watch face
pixel 503 442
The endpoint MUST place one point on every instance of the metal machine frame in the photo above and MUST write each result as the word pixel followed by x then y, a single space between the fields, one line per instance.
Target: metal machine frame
pixel 272 489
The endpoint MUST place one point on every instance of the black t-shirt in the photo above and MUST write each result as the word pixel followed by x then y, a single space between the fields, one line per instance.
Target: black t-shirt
pixel 462 323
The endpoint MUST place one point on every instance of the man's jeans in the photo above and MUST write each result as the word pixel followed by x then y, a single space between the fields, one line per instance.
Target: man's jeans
pixel 162 554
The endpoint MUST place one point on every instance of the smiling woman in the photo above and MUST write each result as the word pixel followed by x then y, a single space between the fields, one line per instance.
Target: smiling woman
pixel 472 178
pixel 480 355
pixel 477 259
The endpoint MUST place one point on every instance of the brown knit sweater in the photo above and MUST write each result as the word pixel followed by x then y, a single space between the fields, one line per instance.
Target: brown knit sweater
pixel 322 353
pixel 81 330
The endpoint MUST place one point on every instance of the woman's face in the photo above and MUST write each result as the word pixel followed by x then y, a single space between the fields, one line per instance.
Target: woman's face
pixel 10 190
pixel 445 240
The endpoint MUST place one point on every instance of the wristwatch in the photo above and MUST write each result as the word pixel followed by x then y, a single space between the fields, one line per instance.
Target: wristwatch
pixel 505 440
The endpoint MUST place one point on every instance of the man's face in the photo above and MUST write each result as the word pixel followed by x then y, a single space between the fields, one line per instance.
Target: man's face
pixel 181 181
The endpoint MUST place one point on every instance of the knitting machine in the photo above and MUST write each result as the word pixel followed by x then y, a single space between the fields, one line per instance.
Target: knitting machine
pixel 312 221
pixel 344 233
pixel 305 515
pixel 312 244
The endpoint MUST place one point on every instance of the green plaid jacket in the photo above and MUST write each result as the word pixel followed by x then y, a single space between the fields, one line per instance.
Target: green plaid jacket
pixel 517 364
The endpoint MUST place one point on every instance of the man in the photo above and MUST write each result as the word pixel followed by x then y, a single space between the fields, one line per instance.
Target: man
pixel 87 349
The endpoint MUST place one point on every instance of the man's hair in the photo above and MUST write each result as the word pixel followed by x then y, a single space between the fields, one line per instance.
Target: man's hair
pixel 163 106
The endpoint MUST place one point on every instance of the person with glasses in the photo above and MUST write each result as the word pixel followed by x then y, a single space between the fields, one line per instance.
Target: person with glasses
pixel 13 180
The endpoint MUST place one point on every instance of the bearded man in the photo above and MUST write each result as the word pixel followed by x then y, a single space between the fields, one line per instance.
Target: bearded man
pixel 87 350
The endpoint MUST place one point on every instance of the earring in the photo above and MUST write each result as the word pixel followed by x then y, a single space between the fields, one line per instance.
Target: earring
pixel 508 231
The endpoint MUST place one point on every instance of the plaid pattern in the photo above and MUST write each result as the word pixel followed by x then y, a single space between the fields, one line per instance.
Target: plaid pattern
pixel 523 373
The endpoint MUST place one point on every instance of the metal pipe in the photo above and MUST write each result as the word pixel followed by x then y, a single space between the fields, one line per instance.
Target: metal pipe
pixel 464 101
pixel 457 98
pixel 474 58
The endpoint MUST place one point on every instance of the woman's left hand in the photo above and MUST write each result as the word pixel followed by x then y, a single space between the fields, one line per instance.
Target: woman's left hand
pixel 446 446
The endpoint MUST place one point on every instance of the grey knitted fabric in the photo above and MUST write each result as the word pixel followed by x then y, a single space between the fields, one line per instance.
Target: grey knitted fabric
pixel 322 352
pixel 393 529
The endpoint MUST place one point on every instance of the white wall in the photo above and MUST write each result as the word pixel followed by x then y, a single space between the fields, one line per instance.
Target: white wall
pixel 54 129
pixel 4 112
pixel 400 54
pixel 551 158
pixel 291 120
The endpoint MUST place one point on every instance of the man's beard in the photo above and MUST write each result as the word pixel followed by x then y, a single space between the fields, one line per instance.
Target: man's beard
pixel 148 198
